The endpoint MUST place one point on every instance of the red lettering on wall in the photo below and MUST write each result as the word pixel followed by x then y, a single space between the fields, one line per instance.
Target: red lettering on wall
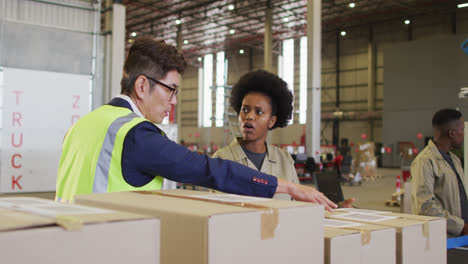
pixel 16 118
pixel 77 99
pixel 75 118
pixel 13 164
pixel 17 96
pixel 15 182
pixel 17 145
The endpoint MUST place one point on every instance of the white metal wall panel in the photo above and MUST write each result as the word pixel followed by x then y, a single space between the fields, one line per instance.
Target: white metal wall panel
pixel 72 15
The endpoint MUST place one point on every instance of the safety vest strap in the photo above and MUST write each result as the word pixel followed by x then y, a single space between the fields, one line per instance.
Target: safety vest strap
pixel 101 177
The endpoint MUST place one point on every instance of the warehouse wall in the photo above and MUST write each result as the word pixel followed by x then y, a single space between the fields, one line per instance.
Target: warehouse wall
pixel 423 76
pixel 353 64
pixel 48 37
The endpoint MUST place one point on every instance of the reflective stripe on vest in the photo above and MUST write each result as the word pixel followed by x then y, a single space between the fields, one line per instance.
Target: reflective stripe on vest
pixel 101 177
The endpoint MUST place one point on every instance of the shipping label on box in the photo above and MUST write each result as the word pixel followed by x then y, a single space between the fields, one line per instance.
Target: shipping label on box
pixel 201 227
pixel 420 239
pixel 42 231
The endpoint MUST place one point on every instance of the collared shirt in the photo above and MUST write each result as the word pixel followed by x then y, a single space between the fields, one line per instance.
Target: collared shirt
pixel 146 153
pixel 277 162
pixel 256 158
pixel 435 188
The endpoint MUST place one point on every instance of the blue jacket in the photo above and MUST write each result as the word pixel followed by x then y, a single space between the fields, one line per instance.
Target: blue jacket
pixel 146 153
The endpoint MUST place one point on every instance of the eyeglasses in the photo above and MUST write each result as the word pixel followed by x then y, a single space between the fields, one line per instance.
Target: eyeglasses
pixel 174 91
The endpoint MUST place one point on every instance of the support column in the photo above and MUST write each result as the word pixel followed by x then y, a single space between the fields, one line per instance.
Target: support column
pixel 314 39
pixel 371 69
pixel 118 47
pixel 336 121
pixel 114 44
pixel 178 107
pixel 268 38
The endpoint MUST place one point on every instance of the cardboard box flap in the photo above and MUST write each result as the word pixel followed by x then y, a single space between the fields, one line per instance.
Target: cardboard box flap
pixel 24 212
pixel 184 203
pixel 338 227
pixel 11 220
pixel 389 220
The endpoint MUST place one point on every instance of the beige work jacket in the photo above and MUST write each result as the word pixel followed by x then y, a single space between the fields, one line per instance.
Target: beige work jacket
pixel 435 188
pixel 277 162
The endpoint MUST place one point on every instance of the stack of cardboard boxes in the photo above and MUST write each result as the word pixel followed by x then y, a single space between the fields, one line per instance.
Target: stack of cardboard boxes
pixel 365 162
pixel 181 226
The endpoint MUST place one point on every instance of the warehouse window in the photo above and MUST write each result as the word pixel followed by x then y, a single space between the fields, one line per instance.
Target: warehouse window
pixel 221 76
pixel 286 64
pixel 205 98
pixel 303 81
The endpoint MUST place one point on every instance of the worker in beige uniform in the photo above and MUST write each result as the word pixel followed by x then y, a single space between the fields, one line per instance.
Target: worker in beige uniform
pixel 439 188
pixel 263 102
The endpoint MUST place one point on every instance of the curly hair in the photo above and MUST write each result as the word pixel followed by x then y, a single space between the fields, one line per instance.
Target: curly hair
pixel 152 58
pixel 270 85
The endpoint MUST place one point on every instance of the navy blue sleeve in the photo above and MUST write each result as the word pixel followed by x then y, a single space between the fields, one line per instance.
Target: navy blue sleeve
pixel 146 153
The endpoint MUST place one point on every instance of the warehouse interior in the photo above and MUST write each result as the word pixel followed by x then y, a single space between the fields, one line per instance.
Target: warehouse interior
pixel 380 69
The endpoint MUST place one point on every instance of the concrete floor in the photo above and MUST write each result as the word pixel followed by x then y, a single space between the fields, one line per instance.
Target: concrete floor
pixel 373 194
pixel 369 195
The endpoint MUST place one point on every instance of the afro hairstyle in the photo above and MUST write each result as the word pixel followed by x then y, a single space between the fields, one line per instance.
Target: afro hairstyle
pixel 269 84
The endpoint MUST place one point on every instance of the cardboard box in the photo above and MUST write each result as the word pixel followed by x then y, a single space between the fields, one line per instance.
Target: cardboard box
pixel 201 227
pixel 34 231
pixel 420 239
pixel 358 243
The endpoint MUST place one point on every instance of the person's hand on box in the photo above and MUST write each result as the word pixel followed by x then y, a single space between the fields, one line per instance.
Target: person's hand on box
pixel 305 194
pixel 347 203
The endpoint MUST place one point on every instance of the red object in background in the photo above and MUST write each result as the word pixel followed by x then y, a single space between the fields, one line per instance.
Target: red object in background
pixel 356 149
pixel 197 134
pixel 398 183
pixel 172 115
pixel 189 135
pixel 406 174
pixel 215 147
pixel 294 143
pixel 415 151
pixel 338 160
pixel 363 136
pixel 388 149
pixel 419 135
pixel 351 144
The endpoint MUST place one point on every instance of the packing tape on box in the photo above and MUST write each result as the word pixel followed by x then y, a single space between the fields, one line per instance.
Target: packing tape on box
pixel 269 218
pixel 69 223
pixel 365 234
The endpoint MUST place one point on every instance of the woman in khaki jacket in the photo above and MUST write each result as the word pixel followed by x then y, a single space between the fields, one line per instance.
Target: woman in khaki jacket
pixel 263 102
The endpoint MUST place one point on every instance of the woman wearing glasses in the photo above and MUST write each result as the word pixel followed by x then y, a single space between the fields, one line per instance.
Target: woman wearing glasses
pixel 263 102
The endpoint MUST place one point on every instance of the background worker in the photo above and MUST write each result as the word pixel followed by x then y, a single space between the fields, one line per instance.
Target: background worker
pixel 438 185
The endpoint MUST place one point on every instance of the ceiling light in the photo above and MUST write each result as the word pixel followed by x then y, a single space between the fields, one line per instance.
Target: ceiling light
pixel 231 7
pixel 133 34
pixel 462 5
pixel 241 51
pixel 352 5
pixel 285 19
pixel 343 33
pixel 177 21
pixel 407 22
pixel 199 59
pixel 232 31
pixel 185 42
